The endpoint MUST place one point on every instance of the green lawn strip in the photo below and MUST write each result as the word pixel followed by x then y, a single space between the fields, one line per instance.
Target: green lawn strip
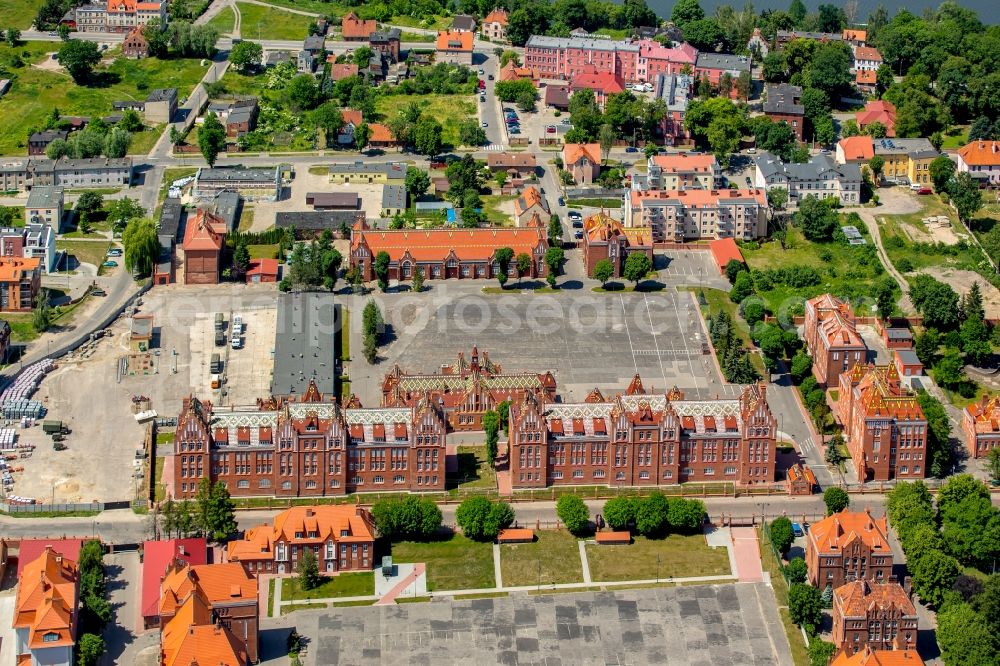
pixel 800 652
pixel 50 514
pixel 270 597
pixel 449 110
pixel 86 251
pixel 554 557
pixel 144 141
pixel 19 14
pixel 356 602
pixel 482 595
pixel 567 590
pixel 412 600
pixel 35 92
pixel 956 137
pixel 457 563
pixel 717 301
pixel 473 470
pixel 347 584
pixel 437 23
pixel 21 328
pixel 496 216
pixel 246 219
pixel 680 556
pixel 160 488
pixel 165 437
pixel 270 23
pixel 263 251
pixel 406 36
pixel 285 610
pixel 224 21
pixel 613 204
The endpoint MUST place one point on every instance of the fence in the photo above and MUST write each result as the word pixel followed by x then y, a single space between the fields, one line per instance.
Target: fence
pixel 593 193
pixel 91 507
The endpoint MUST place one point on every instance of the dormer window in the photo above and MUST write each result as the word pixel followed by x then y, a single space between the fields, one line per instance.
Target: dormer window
pixel 344 533
pixel 50 637
pixel 298 535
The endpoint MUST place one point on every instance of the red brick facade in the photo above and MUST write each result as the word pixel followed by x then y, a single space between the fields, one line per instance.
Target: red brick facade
pixel 848 546
pixel 832 339
pixel 981 426
pixel 879 617
pixel 606 238
pixel 642 439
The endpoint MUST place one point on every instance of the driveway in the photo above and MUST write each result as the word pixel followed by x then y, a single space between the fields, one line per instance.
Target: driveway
pixel 892 201
pixel 124 587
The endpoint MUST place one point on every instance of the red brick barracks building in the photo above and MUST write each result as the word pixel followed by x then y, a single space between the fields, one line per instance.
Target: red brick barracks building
pixel 642 439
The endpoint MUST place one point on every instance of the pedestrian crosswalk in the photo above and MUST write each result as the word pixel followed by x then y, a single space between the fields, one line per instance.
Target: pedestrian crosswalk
pixel 494 148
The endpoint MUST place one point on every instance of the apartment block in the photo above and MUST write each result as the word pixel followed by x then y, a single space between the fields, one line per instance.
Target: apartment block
pixel 820 177
pixel 681 215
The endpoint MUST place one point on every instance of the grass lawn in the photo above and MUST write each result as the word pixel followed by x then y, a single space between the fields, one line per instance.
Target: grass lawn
pixel 165 437
pixel 473 471
pixel 438 23
pixel 680 556
pixel 406 36
pixel 86 252
pixel 348 584
pixel 246 219
pixel 449 110
pixel 269 23
pixel 800 653
pixel 553 558
pixel 612 204
pixel 496 216
pixel 955 138
pixel 717 301
pixel 898 230
pixel 145 141
pixel 19 13
pixel 454 564
pixel 160 489
pixel 34 92
pixel 263 251
pixel 21 329
pixel 224 21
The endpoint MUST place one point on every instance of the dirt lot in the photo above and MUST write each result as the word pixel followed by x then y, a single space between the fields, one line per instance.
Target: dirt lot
pixel 961 282
pixel 247 370
pixel 98 463
pixel 938 231
pixel 304 182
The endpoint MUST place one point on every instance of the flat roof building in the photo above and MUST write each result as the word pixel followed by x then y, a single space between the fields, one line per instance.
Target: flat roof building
pixel 304 345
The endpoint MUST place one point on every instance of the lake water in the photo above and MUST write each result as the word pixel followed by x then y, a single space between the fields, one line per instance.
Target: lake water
pixel 987 9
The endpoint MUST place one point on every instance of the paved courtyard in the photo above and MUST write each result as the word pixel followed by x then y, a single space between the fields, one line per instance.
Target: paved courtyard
pixel 585 339
pixel 699 625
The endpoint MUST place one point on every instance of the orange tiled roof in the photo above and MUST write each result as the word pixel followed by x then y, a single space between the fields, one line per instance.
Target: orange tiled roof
pixel 834 532
pixel 204 232
pixel 857 148
pixel 699 197
pixel 607 83
pixel 217 583
pixel 436 244
pixel 530 197
pixel 601 228
pixel 511 72
pixel 343 71
pixel 510 160
pixel 574 152
pixel 352 26
pixel 380 133
pixel 327 521
pixel 46 600
pixel 454 41
pixel 878 111
pixel 869 657
pixel 685 163
pixel 725 250
pixel 867 53
pixel 985 414
pixel 855 35
pixel 981 153
pixel 866 77
pixel 857 597
pixel 799 471
pixel 883 395
pixel 496 16
pixel 835 321
pixel 190 639
pixel 351 116
pixel 13 270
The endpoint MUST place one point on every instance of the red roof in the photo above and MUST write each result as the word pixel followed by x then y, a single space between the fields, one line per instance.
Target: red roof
pixel 263 267
pixel 437 244
pixel 725 250
pixel 878 111
pixel 605 82
pixel 981 153
pixel 353 27
pixel 31 549
pixel 454 41
pixel 857 148
pixel 204 232
pixel 156 556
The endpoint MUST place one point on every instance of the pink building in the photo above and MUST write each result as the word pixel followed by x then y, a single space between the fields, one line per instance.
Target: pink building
pixel 633 62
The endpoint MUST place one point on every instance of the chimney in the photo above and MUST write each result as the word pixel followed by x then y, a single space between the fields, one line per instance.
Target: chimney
pixel 908 585
pixel 310 513
pixel 180 550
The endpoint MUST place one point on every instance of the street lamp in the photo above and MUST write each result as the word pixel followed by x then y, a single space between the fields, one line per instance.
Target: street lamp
pixel 657 567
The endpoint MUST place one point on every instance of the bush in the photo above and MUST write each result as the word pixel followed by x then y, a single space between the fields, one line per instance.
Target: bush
pixel 904 265
pixel 573 513
pixel 836 500
pixel 686 515
pixel 409 518
pixel 805 605
pixel 652 515
pixel 753 312
pixel 796 571
pixel 482 520
pixel 781 534
pixel 619 512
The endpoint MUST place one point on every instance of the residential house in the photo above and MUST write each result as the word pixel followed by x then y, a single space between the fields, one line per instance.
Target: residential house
pixel 135 45
pixel 873 616
pixel 908 365
pixel 263 270
pixel 671 439
pixel 857 149
pixel 981 160
pixel 494 26
pixel 631 61
pixel 867 59
pixel 784 104
pixel 343 71
pixel 46 611
pixel 342 536
pixel 381 136
pixel 387 42
pixel 250 182
pixel 716 67
pixel 832 339
pixel 202 248
pixel 353 29
pixel 454 46
pixel 557 97
pixel 583 161
pixel 757 45
pixel 447 252
pixel 393 200
pixel 679 171
pixel 238 116
pixel 351 119
pixel 385 173
pixel 161 105
pixel 679 215
pixel 866 80
pixel 512 72
pixel 848 546
pixel 884 426
pixel 820 177
pixel 906 161
pixel 39 141
pixel 191 637
pixel 800 480
pixel 170 222
pixel 116 15
pixel 676 91
pixel 273 58
pixel 854 37
pixel 604 84
pixel 40 243
pixel 20 280
pixel 868 657
pixel 45 206
pixel 723 251
pixel 463 23
pixel 877 111
pixel 981 426
pixel 310 54
pixel 98 172
pixel 515 165
pixel 529 204
pixel 607 238
pixel 157 556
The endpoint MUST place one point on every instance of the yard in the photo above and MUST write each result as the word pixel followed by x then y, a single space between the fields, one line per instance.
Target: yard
pixel 277 126
pixel 36 92
pixel 457 563
pixel 715 301
pixel 473 471
pixel 347 584
pixel 553 558
pixel 260 22
pixel 263 251
pixel 224 21
pixel 144 141
pixel 449 110
pixel 85 251
pixel 676 556
pixel 498 210
pixel 19 14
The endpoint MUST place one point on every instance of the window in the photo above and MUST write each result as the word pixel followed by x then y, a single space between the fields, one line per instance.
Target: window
pixel 578 474
pixel 598 473
pixel 644 475
pixel 398 479
pixel 243 483
pixel 620 476
pixel 286 485
pixel 378 479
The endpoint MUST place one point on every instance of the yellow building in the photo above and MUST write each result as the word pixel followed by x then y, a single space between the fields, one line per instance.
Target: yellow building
pixel 386 173
pixel 907 161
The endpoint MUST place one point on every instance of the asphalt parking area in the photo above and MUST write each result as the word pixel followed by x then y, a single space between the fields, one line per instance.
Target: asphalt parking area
pixel 717 624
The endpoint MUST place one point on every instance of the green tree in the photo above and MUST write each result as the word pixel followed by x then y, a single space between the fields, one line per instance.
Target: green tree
pixel 781 534
pixel 327 117
pixel 246 55
pixel 652 514
pixel 241 260
pixel 965 637
pixel 12 36
pixel 573 513
pixel 885 298
pixel 482 520
pixel 796 571
pixel 603 270
pixel 523 263
pixel 801 366
pixel 876 164
pixel 742 287
pixel 362 135
pixel 308 569
pixel 686 515
pixel 141 246
pixel 821 652
pixel 470 133
pixel 733 268
pixel 407 518
pixel 503 256
pixel 491 428
pixel 606 138
pixel 417 181
pixel 554 258
pixel 637 267
pixel 417 284
pixel 686 11
pixel 836 500
pixel 362 56
pixel 89 650
pixel 427 136
pixel 942 169
pixel 79 58
pixel 933 575
pixel 939 451
pixel 122 211
pixel 948 370
pixel 555 230
pixel 816 219
pixel 993 465
pixel 381 267
pixel 215 512
pixel 619 512
pixel 302 92
pixel 211 138
pixel 976 342
pixel 965 195
pixel 926 346
pixel 805 607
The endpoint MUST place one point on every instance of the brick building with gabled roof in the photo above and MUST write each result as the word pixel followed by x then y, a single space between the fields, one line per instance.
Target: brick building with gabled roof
pixel 604 237
pixel 583 161
pixel 981 426
pixel 447 253
pixel 342 535
pixel 874 616
pixel 981 159
pixel 868 657
pixel 454 46
pixel 512 72
pixel 530 204
pixel 848 546
pixel 878 111
pixel 45 610
pixel 832 338
pixel 494 26
pixel 604 84
pixel 192 638
pixel 202 248
pixel 353 29
pixel 884 426
pixel 157 556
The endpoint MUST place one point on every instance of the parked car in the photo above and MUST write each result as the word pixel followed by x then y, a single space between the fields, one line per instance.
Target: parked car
pixel 578 235
pixel 490 77
pixel 631 149
pixel 797 530
pixel 482 98
pixel 114 252
pixel 749 182
pixel 514 130
pixel 550 129
pixel 924 190
pixel 97 291
pixel 110 264
pixel 578 224
pixel 562 202
pixel 485 124
pixel 565 121
pixel 575 215
pixel 482 71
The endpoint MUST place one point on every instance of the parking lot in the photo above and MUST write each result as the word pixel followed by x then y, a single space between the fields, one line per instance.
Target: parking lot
pixel 305 182
pixel 587 340
pixel 718 624
pixel 247 370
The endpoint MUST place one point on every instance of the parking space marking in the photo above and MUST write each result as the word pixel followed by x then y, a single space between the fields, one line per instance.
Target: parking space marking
pixel 652 329
pixel 628 334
